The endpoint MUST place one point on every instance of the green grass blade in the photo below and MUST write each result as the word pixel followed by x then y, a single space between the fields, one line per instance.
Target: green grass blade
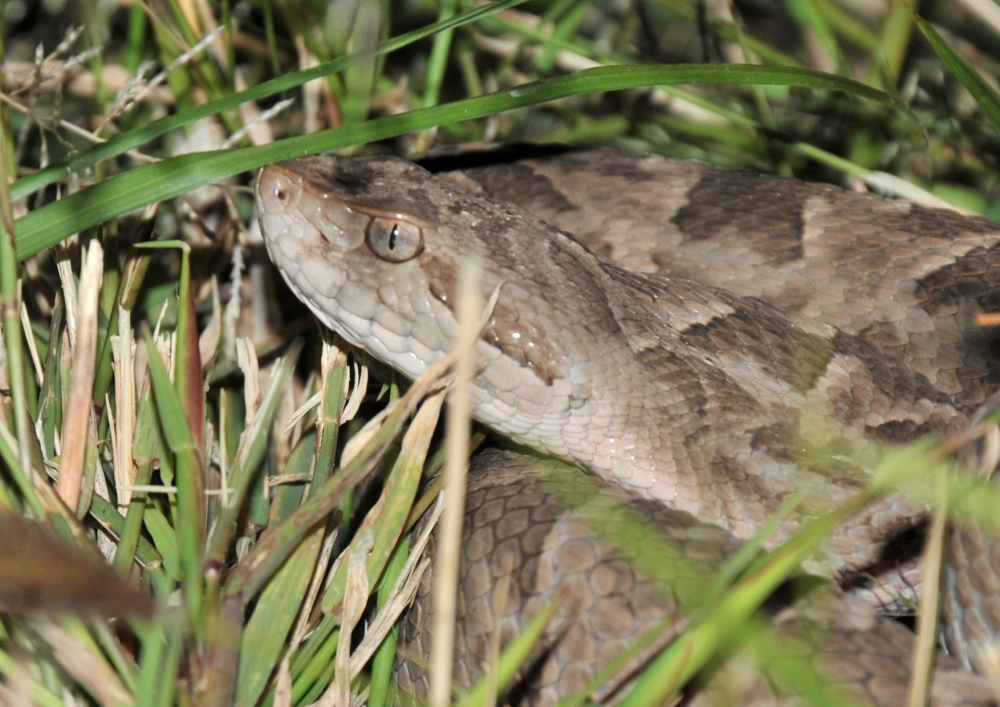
pixel 387 518
pixel 181 442
pixel 144 185
pixel 134 138
pixel 249 457
pixel 384 662
pixel 266 634
pixel 159 664
pixel 985 95
pixel 512 658
pixel 723 624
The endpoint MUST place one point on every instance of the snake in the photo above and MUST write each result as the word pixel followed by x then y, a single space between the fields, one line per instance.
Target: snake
pixel 683 333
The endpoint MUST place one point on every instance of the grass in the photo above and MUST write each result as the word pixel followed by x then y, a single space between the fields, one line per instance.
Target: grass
pixel 210 502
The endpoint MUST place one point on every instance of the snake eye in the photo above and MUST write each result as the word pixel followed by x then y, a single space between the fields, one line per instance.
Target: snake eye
pixel 394 240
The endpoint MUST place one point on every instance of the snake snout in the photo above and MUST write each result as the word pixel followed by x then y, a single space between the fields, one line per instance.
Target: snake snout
pixel 278 190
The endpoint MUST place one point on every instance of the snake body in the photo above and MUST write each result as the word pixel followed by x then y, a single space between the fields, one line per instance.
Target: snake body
pixel 659 377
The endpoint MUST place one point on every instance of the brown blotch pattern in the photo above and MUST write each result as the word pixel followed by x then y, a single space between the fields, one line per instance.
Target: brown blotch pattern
pixel 774 225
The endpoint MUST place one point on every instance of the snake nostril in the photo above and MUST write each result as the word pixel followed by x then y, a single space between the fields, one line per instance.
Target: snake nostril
pixel 278 192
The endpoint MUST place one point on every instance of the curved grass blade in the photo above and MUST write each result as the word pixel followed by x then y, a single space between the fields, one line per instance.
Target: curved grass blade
pixel 134 138
pixel 144 185
pixel 987 98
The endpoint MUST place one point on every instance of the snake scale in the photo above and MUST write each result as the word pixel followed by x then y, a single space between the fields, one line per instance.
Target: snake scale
pixel 673 345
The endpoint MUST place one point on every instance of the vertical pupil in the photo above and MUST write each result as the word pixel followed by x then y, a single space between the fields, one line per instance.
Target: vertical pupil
pixel 392 236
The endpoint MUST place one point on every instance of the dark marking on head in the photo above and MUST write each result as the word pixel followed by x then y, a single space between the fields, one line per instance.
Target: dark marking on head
pixel 517 180
pixel 494 156
pixel 352 176
pixel 506 331
pixel 774 221
pixel 351 182
pixel 610 164
pixel 378 186
pixel 345 177
pixel 519 340
pixel 442 278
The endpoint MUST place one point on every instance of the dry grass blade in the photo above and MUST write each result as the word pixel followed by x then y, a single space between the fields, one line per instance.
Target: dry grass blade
pixel 355 601
pixel 76 437
pixel 470 317
pixel 123 354
pixel 86 665
pixel 386 520
pixel 930 602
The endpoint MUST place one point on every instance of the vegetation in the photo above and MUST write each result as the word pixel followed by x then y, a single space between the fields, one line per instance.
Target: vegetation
pixel 150 363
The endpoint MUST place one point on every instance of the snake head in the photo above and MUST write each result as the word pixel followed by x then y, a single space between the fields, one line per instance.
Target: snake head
pixel 374 246
pixel 347 240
